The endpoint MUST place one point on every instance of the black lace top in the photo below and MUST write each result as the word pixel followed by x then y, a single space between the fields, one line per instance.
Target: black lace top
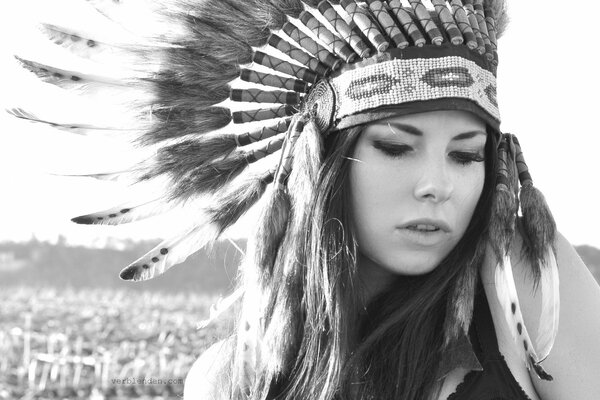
pixel 495 382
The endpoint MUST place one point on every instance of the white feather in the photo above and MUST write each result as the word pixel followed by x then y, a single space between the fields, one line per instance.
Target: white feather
pixel 548 327
pixel 128 212
pixel 179 249
pixel 509 300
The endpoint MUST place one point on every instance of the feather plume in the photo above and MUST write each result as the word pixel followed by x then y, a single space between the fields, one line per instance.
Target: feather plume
pixel 293 8
pixel 548 327
pixel 176 122
pixel 538 226
pixel 247 21
pixel 189 69
pixel 126 212
pixel 208 177
pixel 500 11
pixel 170 252
pixel 509 301
pixel 179 158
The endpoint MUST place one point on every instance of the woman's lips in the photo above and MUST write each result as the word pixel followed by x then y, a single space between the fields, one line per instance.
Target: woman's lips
pixel 423 227
pixel 426 225
pixel 424 232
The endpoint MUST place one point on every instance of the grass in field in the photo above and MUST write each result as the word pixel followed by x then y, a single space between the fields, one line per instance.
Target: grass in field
pixel 112 334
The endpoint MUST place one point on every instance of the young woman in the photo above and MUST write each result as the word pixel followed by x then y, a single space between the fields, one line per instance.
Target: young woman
pixel 402 251
pixel 400 205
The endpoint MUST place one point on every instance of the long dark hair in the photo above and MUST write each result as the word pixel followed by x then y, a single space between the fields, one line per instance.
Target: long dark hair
pixel 316 341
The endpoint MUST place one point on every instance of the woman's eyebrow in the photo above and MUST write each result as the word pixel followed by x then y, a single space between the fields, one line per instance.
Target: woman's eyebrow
pixel 411 130
pixel 469 135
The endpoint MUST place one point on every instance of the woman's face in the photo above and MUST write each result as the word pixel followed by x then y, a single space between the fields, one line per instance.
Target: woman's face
pixel 414 185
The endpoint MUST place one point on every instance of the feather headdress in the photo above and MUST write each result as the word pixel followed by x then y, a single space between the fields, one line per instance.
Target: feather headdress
pixel 175 69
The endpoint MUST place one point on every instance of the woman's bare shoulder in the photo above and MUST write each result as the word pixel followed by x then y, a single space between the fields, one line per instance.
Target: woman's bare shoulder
pixel 574 361
pixel 209 378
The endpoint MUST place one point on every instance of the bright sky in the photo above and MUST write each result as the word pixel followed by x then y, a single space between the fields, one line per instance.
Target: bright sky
pixel 548 94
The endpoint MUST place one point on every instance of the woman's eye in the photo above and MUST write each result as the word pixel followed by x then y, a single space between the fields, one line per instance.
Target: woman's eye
pixel 391 149
pixel 466 158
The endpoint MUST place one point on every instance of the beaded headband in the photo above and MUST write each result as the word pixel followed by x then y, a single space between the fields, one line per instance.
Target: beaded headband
pixel 333 64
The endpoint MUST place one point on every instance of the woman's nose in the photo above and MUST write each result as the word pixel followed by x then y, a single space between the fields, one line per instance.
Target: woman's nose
pixel 434 184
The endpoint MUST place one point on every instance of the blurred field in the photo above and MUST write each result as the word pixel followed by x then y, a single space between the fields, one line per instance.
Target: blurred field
pixel 75 344
pixel 70 328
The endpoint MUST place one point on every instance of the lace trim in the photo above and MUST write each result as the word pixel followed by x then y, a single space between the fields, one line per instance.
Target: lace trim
pixel 467 379
pixel 472 374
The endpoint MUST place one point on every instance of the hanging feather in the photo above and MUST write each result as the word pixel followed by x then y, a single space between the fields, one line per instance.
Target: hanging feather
pixel 549 317
pixel 230 206
pixel 270 230
pixel 538 226
pixel 504 206
pixel 509 301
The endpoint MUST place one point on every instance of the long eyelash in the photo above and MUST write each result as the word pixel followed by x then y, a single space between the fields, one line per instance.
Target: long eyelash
pixel 391 150
pixel 465 158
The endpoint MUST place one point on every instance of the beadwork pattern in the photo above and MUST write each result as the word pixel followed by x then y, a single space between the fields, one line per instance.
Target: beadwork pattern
pixel 406 80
